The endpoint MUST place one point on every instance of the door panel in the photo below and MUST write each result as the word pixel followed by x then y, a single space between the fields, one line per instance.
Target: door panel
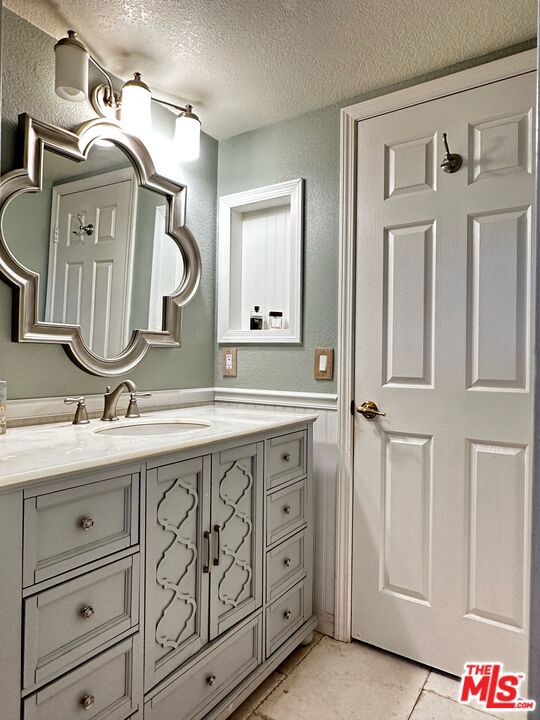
pixel 499 256
pixel 444 332
pixel 236 571
pixel 497 545
pixel 407 535
pixel 408 305
pixel 178 511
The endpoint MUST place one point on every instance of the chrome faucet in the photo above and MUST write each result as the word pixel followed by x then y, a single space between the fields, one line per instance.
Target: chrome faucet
pixel 111 398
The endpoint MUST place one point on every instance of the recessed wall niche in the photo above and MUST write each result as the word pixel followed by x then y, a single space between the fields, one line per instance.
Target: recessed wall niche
pixel 260 265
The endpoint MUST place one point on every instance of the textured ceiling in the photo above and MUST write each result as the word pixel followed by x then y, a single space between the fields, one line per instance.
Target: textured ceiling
pixel 248 63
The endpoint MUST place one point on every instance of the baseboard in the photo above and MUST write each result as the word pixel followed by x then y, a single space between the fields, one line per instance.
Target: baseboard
pixel 326 622
pixel 320 401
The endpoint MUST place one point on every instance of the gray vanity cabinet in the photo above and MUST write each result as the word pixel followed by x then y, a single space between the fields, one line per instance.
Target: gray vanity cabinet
pixel 167 588
pixel 177 587
pixel 236 515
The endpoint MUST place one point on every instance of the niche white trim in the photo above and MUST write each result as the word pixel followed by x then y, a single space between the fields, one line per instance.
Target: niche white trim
pixel 260 263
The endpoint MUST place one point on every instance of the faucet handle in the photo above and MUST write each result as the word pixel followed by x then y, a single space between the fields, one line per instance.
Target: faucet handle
pixel 133 407
pixel 81 414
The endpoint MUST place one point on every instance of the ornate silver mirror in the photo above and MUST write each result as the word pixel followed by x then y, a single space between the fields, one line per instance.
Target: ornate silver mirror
pixel 95 245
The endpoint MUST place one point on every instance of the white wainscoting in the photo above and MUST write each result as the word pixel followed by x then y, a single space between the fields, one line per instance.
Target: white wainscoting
pixel 325 464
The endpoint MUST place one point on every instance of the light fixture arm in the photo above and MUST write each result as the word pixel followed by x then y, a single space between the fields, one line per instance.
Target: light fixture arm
pixel 185 109
pixel 112 98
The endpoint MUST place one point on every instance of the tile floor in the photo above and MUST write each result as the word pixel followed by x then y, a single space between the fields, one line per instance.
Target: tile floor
pixel 329 680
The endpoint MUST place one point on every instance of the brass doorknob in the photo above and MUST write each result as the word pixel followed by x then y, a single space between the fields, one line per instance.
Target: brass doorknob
pixel 369 410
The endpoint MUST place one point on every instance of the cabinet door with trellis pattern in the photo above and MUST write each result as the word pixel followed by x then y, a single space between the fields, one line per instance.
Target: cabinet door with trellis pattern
pixel 177 589
pixel 236 519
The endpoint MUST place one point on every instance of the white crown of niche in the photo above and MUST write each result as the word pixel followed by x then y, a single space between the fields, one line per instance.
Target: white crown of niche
pixel 260 263
pixel 28 177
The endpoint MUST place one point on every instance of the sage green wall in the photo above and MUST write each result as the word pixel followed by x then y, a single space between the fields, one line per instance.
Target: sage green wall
pixel 306 146
pixel 34 370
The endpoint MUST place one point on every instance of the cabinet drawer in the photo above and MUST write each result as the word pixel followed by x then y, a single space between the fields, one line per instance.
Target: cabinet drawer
pixel 285 566
pixel 286 458
pixel 285 511
pixel 68 528
pixel 284 617
pixel 203 685
pixel 65 624
pixel 100 689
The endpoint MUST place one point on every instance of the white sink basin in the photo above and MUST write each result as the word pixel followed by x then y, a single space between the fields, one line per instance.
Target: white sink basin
pixel 149 428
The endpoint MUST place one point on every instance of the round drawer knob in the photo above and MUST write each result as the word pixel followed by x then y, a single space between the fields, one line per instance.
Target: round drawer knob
pixel 286 457
pixel 287 614
pixel 87 612
pixel 287 509
pixel 87 701
pixel 211 680
pixel 287 562
pixel 87 523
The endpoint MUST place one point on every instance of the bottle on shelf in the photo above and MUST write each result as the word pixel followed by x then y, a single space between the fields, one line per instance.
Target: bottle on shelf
pixel 256 319
pixel 275 319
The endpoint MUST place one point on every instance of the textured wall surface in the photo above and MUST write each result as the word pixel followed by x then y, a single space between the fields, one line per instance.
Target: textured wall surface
pixel 308 147
pixel 34 370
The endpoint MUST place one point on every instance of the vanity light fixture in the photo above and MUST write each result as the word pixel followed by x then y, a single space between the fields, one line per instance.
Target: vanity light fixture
pixel 136 107
pixel 132 106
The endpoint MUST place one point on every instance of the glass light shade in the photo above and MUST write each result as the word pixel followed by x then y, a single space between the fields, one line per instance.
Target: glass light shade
pixel 188 136
pixel 136 113
pixel 71 68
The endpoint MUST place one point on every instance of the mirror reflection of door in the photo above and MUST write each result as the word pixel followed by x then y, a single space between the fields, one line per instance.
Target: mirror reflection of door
pixel 91 258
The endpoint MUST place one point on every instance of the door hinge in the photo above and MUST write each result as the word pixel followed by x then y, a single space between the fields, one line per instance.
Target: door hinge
pixel 353 407
pixel 55 235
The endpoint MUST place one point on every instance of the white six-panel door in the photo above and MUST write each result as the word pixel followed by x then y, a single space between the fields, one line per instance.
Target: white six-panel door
pixel 89 281
pixel 444 320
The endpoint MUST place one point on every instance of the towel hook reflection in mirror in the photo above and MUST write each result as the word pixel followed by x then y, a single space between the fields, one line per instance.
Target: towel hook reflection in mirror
pixel 452 161
pixel 88 229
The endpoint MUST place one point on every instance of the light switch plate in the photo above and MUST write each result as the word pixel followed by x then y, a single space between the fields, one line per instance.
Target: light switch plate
pixel 324 364
pixel 229 362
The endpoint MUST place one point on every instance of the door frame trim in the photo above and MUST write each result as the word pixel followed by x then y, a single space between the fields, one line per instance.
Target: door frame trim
pixel 511 66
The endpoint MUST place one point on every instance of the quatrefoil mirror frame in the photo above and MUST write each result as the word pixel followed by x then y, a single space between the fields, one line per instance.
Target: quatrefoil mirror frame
pixel 27 327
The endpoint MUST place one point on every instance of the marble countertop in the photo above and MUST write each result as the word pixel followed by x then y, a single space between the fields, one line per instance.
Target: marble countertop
pixel 41 452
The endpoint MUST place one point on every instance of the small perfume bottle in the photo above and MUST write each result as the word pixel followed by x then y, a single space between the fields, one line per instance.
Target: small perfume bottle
pixel 275 319
pixel 256 319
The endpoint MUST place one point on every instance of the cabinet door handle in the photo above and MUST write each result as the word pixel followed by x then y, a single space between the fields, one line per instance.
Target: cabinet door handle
pixel 211 680
pixel 287 509
pixel 87 701
pixel 287 562
pixel 87 523
pixel 87 612
pixel 217 556
pixel 207 538
pixel 286 457
pixel 287 614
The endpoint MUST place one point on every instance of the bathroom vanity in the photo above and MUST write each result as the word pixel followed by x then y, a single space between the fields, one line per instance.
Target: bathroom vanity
pixel 160 576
